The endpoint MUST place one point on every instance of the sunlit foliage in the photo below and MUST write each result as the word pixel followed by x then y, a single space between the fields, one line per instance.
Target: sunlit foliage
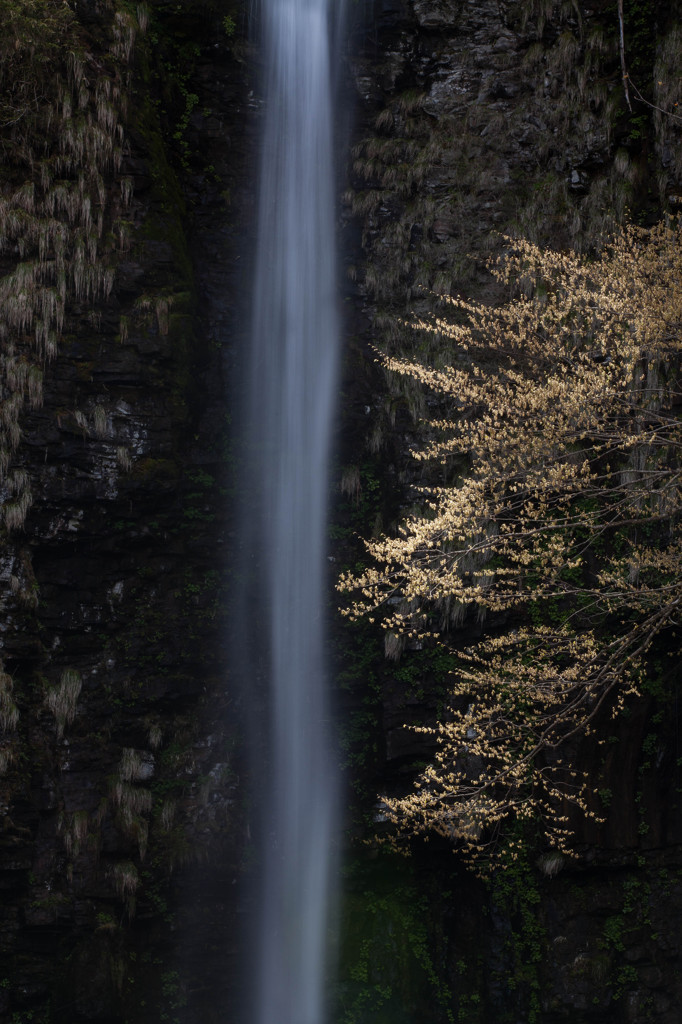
pixel 560 528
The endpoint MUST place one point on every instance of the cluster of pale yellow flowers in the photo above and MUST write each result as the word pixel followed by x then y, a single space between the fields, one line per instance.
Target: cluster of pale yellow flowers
pixel 562 435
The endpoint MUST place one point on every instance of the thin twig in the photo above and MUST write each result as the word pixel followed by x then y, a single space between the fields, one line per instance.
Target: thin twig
pixel 623 66
pixel 654 106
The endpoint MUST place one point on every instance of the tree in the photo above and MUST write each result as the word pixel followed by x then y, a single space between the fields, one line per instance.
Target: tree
pixel 560 524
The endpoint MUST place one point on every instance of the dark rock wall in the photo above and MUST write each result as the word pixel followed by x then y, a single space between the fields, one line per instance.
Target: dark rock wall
pixel 479 119
pixel 121 752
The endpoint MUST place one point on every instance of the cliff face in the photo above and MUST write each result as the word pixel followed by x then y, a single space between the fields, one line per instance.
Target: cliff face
pixel 125 199
pixel 479 120
pixel 119 757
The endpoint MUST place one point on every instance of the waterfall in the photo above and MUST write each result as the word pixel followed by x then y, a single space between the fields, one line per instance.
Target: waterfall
pixel 294 353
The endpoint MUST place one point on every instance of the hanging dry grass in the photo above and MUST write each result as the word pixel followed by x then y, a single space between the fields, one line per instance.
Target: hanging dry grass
pixel 62 699
pixel 61 116
pixel 9 713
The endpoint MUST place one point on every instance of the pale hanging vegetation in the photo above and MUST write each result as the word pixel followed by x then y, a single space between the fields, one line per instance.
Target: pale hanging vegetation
pixel 9 713
pixel 130 767
pixel 74 829
pixel 133 803
pixel 14 512
pixel 123 460
pixel 61 116
pixel 155 735
pixel 9 718
pixel 126 882
pixel 561 434
pixel 167 815
pixel 62 699
pixel 99 421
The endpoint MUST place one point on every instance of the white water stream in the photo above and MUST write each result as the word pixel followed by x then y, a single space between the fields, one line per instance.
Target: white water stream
pixel 291 402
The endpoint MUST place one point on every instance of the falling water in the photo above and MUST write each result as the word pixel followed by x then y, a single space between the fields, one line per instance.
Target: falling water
pixel 293 376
